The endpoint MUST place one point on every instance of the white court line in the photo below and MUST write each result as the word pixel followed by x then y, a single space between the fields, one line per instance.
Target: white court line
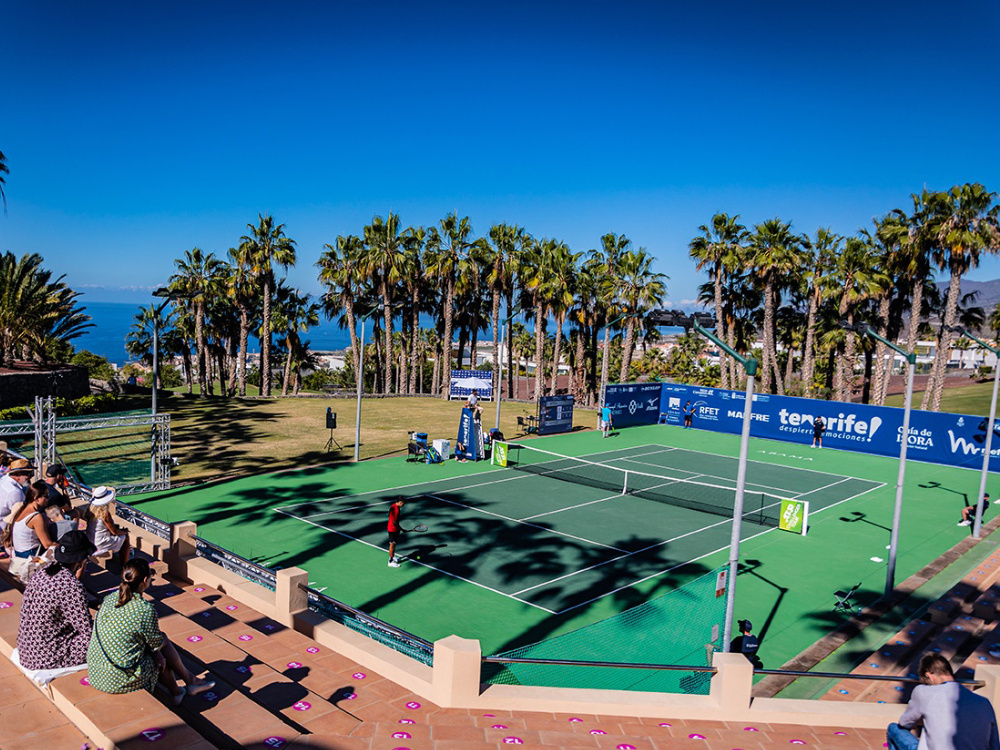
pixel 571 507
pixel 622 557
pixel 415 562
pixel 534 525
pixel 834 484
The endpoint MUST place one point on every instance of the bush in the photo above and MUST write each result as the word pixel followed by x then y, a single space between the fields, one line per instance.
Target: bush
pixel 98 367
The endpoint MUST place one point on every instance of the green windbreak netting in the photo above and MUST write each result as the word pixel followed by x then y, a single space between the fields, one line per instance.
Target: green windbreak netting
pixel 681 627
pixel 113 456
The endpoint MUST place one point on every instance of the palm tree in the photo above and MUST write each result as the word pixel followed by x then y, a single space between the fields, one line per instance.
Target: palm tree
pixel 638 289
pixel 776 258
pixel 139 339
pixel 559 292
pixel 265 245
pixel 383 262
pixel 340 272
pixel 716 248
pixel 37 313
pixel 294 313
pixel 448 243
pixel 506 242
pixel 240 287
pixel 858 277
pixel 607 260
pixel 964 226
pixel 824 250
pixel 199 276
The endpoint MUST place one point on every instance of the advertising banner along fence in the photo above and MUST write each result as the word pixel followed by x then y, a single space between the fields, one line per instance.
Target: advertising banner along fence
pixel 936 437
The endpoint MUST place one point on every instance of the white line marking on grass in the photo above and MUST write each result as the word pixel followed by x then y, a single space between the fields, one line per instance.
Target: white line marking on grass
pixel 415 562
pixel 534 525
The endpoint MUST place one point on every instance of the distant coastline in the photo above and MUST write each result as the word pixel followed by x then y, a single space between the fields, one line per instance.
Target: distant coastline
pixel 113 320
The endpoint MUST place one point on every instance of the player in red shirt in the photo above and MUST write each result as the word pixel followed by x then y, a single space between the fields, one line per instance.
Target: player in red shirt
pixel 393 528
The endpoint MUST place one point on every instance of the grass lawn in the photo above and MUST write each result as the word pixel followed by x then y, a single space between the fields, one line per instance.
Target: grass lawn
pixel 973 398
pixel 216 437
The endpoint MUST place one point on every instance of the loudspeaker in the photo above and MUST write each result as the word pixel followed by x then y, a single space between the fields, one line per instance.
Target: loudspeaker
pixel 331 419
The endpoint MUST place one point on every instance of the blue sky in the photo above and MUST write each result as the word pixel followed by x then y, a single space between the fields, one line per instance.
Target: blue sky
pixel 136 131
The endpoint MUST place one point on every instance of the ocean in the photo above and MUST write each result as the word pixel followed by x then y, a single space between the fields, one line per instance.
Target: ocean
pixel 113 320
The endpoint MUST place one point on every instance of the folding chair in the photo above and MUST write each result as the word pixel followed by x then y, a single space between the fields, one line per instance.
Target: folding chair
pixel 414 451
pixel 522 426
pixel 843 603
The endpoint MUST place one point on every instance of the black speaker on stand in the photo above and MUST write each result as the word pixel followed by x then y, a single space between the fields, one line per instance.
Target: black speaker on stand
pixel 331 425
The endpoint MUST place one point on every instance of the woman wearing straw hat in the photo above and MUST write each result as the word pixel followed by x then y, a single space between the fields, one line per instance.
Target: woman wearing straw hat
pixel 101 527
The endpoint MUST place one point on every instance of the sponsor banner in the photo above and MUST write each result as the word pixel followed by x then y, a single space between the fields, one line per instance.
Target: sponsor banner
pixel 499 455
pixel 463 382
pixel 794 516
pixel 555 414
pixel 633 403
pixel 943 438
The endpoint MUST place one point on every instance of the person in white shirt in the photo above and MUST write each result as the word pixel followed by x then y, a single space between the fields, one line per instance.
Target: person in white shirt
pixel 13 485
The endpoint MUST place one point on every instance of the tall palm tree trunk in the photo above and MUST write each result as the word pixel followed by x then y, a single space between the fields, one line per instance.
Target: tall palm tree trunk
pixel 387 320
pixel 720 321
pixel 935 384
pixel 539 348
pixel 627 353
pixel 809 349
pixel 199 345
pixel 579 389
pixel 556 355
pixel 766 336
pixel 415 359
pixel 265 342
pixel 244 342
pixel 449 311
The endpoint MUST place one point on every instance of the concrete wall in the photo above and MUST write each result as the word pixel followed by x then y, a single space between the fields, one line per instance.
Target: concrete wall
pixel 20 388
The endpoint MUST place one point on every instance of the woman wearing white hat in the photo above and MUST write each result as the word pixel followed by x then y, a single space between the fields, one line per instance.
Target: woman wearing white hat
pixel 106 535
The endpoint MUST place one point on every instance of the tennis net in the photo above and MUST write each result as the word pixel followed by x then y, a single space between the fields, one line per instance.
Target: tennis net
pixel 758 507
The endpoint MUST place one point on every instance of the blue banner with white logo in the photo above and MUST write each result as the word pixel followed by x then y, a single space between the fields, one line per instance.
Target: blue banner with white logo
pixel 952 439
pixel 633 403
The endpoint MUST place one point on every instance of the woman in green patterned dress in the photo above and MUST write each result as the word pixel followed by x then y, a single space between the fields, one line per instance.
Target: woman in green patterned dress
pixel 128 651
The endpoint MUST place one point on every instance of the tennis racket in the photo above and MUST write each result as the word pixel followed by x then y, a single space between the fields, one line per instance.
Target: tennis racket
pixel 418 528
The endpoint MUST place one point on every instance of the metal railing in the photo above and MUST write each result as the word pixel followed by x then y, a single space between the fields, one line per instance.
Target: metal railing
pixel 378 630
pixel 234 563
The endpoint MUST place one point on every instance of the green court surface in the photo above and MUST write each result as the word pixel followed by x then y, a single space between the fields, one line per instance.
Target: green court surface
pixel 513 558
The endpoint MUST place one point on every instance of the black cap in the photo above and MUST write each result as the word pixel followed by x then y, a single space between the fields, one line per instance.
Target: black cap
pixel 73 547
pixel 55 471
pixel 745 626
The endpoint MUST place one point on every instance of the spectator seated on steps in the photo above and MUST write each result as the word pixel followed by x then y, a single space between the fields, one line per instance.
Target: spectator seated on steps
pixel 54 631
pixel 128 651
pixel 101 526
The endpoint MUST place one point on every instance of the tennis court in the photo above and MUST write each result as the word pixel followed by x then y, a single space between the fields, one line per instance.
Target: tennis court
pixel 558 533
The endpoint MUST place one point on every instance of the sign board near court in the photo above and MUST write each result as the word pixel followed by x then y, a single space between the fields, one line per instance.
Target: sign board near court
pixel 555 414
pixel 794 516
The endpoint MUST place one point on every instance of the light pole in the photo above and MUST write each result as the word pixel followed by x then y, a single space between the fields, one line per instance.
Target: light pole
pixel 678 318
pixel 897 511
pixel 361 381
pixel 606 357
pixel 499 389
pixel 168 296
pixel 977 524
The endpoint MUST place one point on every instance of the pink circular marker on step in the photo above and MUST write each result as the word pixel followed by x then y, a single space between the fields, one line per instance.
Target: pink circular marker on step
pixel 199 589
pixel 302 706
pixel 231 607
pixel 625 747
pixel 359 675
pixel 85 681
pixel 6 605
pixel 293 665
pixel 413 705
pixel 597 731
pixel 246 637
pixel 401 736
pixel 275 742
pixel 194 638
pixel 499 726
pixel 312 650
pixel 407 721
pixel 513 741
pixel 696 736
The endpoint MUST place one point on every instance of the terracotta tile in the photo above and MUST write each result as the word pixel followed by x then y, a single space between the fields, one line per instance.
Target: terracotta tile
pixel 62 736
pixel 442 732
pixel 330 722
pixel 417 731
pixel 17 689
pixel 547 738
pixel 172 731
pixel 73 690
pixel 330 742
pixel 110 711
pixel 268 652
